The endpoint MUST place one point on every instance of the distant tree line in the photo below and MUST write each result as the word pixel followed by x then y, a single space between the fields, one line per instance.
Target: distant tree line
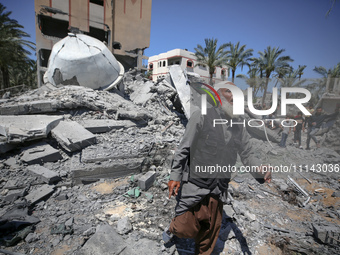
pixel 271 63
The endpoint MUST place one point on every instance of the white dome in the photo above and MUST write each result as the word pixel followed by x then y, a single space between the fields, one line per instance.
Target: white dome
pixel 82 60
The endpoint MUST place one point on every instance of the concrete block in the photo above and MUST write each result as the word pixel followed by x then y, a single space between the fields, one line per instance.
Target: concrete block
pixel 13 109
pixel 146 181
pixel 13 195
pixel 142 93
pixel 42 106
pixel 100 153
pixel 328 234
pixel 102 126
pixel 5 147
pixel 11 184
pixel 39 193
pixel 124 225
pixel 179 80
pixel 40 153
pixel 105 234
pixel 112 169
pixel 11 162
pixel 48 176
pixel 72 136
pixel 28 127
pixel 139 116
pixel 30 107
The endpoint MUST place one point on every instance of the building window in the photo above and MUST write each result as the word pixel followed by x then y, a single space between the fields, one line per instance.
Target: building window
pixel 99 34
pixel 223 72
pixel 53 27
pixel 203 67
pixel 151 66
pixel 164 63
pixel 99 2
pixel 190 63
pixel 44 55
pixel 177 62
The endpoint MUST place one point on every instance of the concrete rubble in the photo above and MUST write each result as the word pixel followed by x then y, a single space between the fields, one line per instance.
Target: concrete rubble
pixel 90 177
pixel 72 136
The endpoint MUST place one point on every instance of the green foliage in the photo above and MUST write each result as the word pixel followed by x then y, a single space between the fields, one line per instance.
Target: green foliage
pixel 211 56
pixel 15 66
pixel 271 60
pixel 237 56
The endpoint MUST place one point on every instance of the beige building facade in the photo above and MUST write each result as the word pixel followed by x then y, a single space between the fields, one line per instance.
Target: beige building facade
pixel 159 65
pixel 123 25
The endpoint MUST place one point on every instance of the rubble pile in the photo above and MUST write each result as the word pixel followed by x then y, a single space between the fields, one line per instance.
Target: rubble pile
pixel 332 137
pixel 86 171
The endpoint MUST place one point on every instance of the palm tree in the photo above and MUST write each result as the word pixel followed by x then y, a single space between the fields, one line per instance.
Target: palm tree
pixel 317 89
pixel 271 61
pixel 211 56
pixel 253 80
pixel 300 70
pixel 292 79
pixel 24 73
pixel 11 45
pixel 238 56
pixel 258 63
pixel 283 71
pixel 331 75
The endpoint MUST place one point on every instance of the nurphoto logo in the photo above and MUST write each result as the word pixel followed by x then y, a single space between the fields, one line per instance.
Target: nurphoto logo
pixel 238 100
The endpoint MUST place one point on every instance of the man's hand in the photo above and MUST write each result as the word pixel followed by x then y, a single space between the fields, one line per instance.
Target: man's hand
pixel 266 171
pixel 173 188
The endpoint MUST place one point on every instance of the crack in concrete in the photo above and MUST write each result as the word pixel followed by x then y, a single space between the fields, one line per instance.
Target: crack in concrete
pixel 89 46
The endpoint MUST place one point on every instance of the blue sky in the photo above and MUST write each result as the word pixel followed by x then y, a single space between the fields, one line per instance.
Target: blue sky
pixel 298 26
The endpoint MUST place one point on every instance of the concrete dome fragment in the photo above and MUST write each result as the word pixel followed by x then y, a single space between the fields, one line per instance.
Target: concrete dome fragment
pixel 82 60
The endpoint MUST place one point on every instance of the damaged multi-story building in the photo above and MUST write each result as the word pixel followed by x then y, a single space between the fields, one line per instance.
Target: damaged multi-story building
pixel 113 22
pixel 159 65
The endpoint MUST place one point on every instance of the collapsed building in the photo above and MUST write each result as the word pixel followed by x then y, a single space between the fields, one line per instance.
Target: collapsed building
pixel 84 170
pixel 111 22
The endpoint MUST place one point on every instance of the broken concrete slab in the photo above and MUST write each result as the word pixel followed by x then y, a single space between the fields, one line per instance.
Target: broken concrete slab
pixel 105 241
pixel 102 126
pixel 13 195
pixel 141 93
pixel 3 131
pixel 11 184
pixel 146 181
pixel 110 169
pixel 28 127
pixel 124 225
pixel 72 136
pixel 119 149
pixel 39 193
pixel 40 153
pixel 11 162
pixel 17 215
pixel 140 116
pixel 46 175
pixel 5 147
pixel 328 234
pixel 180 82
pixel 39 106
pixel 143 246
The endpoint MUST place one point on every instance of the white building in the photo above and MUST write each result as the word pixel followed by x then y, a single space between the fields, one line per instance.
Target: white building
pixel 159 64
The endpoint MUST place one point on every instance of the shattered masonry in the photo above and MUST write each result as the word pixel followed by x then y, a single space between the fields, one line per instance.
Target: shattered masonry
pixel 82 167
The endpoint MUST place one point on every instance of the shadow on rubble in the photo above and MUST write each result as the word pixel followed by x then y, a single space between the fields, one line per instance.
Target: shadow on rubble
pixel 187 246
